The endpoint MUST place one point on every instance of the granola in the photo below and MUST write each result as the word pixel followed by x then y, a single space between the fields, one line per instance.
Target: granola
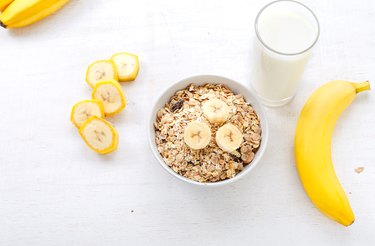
pixel 210 164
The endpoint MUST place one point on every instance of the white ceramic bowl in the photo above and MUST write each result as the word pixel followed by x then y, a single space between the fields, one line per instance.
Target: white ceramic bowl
pixel 236 88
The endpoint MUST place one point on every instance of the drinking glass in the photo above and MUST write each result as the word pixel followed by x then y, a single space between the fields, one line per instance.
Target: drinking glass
pixel 286 31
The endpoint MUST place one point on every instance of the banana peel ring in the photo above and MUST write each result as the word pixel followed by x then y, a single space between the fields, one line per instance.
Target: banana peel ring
pixel 84 109
pixel 99 135
pixel 111 94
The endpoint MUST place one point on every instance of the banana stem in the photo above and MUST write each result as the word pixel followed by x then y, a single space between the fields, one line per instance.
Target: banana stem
pixel 2 24
pixel 363 86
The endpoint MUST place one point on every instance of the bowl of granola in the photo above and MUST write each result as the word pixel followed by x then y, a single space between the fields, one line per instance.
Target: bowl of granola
pixel 208 130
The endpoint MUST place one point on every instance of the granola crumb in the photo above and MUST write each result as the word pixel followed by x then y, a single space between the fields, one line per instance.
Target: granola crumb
pixel 359 169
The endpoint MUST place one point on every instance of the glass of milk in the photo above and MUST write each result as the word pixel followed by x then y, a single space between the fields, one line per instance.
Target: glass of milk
pixel 286 32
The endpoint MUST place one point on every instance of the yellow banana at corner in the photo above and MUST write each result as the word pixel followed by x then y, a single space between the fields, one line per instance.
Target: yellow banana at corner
pixel 4 4
pixel 313 147
pixel 20 13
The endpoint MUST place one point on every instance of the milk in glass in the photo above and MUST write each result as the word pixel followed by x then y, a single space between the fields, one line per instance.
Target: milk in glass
pixel 283 45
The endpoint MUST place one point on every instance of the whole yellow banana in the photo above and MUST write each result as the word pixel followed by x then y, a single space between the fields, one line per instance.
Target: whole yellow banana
pixel 313 147
pixel 25 12
pixel 4 4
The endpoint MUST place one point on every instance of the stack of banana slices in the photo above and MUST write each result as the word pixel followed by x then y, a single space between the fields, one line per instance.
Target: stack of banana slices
pixel 107 99
pixel 197 134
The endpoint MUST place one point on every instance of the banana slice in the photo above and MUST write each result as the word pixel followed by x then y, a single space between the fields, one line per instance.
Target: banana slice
pixel 228 137
pixel 83 110
pixel 197 135
pixel 127 66
pixel 216 111
pixel 112 96
pixel 99 135
pixel 101 70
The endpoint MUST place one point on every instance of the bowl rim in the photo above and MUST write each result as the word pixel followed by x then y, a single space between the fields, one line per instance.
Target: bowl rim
pixel 181 84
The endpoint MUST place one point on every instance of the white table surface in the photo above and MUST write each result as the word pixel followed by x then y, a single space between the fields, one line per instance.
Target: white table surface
pixel 55 191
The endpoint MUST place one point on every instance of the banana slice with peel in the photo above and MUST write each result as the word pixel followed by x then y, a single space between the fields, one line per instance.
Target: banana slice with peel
pixel 101 70
pixel 4 4
pixel 127 66
pixel 197 135
pixel 229 137
pixel 83 110
pixel 112 96
pixel 216 111
pixel 99 135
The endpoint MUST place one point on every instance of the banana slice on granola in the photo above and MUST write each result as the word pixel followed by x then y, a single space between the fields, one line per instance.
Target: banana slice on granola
pixel 216 111
pixel 197 135
pixel 229 137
